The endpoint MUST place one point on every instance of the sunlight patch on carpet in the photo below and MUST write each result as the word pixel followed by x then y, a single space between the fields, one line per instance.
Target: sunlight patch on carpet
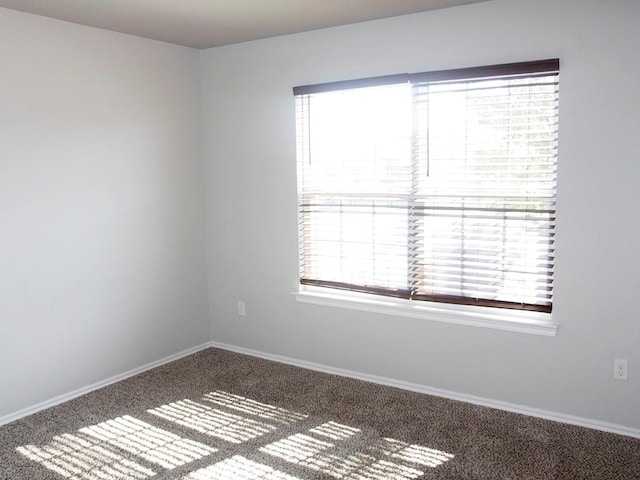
pixel 412 453
pixel 97 451
pixel 350 458
pixel 238 468
pixel 79 458
pixel 251 407
pixel 148 442
pixel 297 448
pixel 335 431
pixel 344 452
pixel 217 423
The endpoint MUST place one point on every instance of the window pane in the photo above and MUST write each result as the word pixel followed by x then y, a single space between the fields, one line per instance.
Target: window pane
pixel 486 176
pixel 354 165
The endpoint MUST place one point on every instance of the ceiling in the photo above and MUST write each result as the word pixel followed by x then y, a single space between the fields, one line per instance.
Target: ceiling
pixel 212 23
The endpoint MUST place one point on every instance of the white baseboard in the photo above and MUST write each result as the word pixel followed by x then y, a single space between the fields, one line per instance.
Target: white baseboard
pixel 509 407
pixel 90 388
pixel 485 402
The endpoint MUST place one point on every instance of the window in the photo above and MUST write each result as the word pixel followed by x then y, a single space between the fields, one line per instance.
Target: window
pixel 436 186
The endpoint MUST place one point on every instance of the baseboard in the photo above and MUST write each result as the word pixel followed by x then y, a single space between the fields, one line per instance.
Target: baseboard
pixel 485 402
pixel 509 407
pixel 90 388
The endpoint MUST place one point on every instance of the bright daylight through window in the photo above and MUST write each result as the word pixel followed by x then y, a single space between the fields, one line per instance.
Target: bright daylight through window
pixel 436 186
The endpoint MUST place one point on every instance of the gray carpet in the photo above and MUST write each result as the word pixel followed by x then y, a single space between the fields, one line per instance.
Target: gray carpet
pixel 221 415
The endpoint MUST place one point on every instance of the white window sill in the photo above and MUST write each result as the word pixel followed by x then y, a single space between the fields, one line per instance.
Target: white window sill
pixel 535 323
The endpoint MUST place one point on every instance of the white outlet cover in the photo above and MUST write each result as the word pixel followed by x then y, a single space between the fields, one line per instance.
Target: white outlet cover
pixel 620 369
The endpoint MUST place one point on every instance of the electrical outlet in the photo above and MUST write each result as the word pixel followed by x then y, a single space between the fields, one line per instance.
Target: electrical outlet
pixel 620 369
pixel 241 308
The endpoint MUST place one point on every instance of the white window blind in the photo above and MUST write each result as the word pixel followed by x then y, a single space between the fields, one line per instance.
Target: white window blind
pixel 436 186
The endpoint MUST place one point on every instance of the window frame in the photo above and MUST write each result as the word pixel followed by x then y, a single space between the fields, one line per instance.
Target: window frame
pixel 464 310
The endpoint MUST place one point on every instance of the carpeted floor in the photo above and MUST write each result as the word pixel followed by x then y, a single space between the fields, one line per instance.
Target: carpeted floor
pixel 221 415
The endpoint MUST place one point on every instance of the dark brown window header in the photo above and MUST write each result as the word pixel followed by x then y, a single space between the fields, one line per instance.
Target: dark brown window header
pixel 549 66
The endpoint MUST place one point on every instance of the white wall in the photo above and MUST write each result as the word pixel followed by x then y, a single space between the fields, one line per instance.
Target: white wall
pixel 102 264
pixel 249 149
